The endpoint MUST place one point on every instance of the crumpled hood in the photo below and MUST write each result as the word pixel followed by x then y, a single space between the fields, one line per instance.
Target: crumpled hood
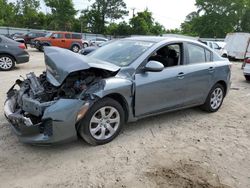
pixel 61 62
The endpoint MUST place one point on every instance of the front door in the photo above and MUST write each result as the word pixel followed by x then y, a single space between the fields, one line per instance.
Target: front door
pixel 58 40
pixel 159 91
pixel 165 90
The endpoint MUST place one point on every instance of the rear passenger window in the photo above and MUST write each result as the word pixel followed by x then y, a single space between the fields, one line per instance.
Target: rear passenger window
pixel 68 36
pixel 76 36
pixel 196 54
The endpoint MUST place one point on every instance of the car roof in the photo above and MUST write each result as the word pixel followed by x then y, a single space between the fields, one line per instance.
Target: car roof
pixel 65 32
pixel 160 39
pixel 7 40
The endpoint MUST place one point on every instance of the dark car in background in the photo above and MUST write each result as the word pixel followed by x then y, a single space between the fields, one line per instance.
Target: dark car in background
pixel 11 53
pixel 32 35
pixel 18 37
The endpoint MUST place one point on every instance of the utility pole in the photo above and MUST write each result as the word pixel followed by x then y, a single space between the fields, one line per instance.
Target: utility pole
pixel 133 9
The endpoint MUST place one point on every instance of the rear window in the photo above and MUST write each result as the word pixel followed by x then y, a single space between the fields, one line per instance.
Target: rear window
pixel 76 36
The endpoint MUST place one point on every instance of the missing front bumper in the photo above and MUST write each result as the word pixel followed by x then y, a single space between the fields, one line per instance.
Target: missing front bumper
pixel 57 124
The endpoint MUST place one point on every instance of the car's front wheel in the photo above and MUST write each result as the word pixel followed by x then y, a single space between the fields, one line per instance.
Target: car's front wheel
pixel 85 45
pixel 6 62
pixel 102 123
pixel 214 99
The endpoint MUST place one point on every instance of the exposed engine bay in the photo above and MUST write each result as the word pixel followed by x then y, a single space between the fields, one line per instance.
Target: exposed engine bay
pixel 37 93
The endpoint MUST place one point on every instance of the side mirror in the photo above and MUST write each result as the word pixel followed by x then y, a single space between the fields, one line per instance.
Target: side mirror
pixel 218 48
pixel 53 37
pixel 154 66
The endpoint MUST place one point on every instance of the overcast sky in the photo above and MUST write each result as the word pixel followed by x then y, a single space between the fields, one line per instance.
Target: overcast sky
pixel 170 13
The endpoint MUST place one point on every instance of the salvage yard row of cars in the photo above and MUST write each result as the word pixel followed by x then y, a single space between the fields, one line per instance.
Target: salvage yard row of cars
pixel 12 47
pixel 93 96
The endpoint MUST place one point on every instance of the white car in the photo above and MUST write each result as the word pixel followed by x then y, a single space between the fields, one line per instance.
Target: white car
pixel 97 41
pixel 218 47
pixel 246 69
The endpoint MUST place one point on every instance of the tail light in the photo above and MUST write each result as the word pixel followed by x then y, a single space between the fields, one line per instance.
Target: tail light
pixel 21 45
pixel 247 60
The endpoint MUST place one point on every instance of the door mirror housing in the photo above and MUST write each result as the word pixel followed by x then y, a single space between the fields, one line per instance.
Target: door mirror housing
pixel 154 66
pixel 53 37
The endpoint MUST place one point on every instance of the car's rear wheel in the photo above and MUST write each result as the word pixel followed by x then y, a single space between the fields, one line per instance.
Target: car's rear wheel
pixel 214 99
pixel 247 77
pixel 102 123
pixel 6 62
pixel 75 48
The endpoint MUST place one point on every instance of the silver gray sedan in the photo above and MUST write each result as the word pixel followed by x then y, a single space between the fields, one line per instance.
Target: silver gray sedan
pixel 94 96
pixel 11 53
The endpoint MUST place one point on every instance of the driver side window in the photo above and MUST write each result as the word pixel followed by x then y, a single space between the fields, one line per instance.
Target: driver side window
pixel 169 55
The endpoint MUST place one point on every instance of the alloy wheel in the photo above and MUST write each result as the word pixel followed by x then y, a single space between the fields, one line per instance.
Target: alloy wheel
pixel 75 49
pixel 216 98
pixel 104 123
pixel 6 63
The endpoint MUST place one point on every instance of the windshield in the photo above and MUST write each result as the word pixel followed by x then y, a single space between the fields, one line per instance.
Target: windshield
pixel 122 52
pixel 48 35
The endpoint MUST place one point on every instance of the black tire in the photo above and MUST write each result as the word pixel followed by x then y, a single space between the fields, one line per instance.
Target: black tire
pixel 224 55
pixel 41 47
pixel 208 105
pixel 85 45
pixel 85 124
pixel 75 48
pixel 7 62
pixel 247 77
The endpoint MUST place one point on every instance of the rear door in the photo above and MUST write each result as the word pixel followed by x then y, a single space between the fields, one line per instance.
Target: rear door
pixel 199 73
pixel 68 40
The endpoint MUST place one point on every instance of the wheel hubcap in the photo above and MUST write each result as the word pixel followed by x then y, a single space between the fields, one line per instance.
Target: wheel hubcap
pixel 104 123
pixel 75 49
pixel 5 63
pixel 216 98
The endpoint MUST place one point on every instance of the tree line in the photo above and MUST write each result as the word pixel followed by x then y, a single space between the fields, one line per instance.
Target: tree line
pixel 213 18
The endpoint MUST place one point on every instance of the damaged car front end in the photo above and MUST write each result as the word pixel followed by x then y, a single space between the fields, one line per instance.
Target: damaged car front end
pixel 45 109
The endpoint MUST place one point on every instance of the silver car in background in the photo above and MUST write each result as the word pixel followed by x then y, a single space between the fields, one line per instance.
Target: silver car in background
pixel 93 96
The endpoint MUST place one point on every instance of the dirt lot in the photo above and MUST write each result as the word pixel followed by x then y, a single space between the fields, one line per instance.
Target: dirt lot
pixel 188 148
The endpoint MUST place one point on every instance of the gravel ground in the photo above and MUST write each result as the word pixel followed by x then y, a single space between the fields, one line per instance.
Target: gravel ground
pixel 188 148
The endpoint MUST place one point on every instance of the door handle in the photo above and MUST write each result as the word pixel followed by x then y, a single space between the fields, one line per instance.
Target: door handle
pixel 211 69
pixel 181 75
pixel 63 40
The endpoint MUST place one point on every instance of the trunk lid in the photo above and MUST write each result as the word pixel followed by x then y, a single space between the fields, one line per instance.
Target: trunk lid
pixel 61 62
